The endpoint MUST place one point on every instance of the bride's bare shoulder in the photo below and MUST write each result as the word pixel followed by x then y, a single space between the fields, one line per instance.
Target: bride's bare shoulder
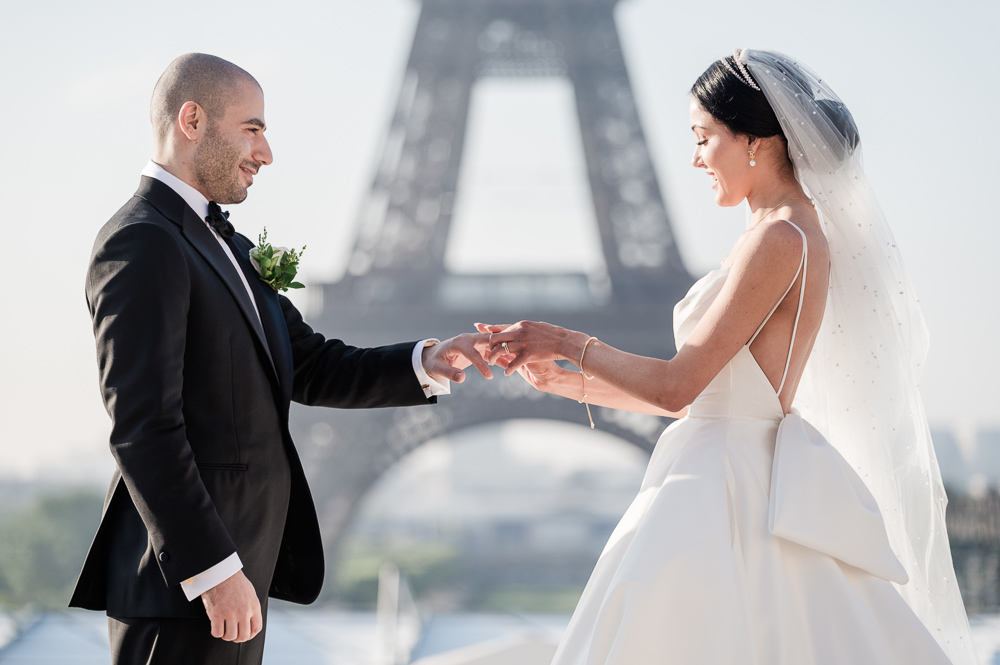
pixel 769 243
pixel 779 241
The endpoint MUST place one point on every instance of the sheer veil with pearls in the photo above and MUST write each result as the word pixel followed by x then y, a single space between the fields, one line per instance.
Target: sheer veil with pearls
pixel 860 385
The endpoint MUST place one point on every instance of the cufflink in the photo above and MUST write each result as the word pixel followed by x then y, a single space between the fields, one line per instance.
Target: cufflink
pixel 164 557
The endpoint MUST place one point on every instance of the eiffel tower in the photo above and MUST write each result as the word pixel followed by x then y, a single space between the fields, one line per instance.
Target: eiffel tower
pixel 397 287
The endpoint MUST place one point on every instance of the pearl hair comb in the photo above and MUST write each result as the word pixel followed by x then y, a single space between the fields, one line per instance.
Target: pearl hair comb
pixel 740 58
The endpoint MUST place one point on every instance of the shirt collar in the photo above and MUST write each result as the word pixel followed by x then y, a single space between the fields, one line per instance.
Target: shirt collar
pixel 191 196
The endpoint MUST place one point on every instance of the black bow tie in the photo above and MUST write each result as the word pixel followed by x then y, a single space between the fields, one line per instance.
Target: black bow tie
pixel 219 220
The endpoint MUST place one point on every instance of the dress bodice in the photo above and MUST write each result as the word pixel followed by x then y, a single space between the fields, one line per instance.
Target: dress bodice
pixel 740 389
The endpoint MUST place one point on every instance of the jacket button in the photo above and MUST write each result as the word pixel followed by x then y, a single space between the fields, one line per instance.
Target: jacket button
pixel 164 557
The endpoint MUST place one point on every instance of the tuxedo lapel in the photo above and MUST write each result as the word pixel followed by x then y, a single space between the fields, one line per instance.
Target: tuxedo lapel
pixel 203 239
pixel 271 316
pixel 198 233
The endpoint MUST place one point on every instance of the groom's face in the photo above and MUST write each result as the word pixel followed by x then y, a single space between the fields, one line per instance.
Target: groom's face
pixel 234 148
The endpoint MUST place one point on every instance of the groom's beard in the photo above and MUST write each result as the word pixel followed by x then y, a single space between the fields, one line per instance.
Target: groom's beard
pixel 216 167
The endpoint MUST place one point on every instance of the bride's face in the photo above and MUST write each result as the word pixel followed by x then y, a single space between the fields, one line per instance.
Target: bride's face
pixel 723 155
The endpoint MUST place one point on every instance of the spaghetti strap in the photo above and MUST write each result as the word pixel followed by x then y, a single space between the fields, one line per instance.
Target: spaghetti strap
pixel 803 264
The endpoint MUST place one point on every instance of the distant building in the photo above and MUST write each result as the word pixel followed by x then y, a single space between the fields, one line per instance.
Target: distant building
pixel 969 459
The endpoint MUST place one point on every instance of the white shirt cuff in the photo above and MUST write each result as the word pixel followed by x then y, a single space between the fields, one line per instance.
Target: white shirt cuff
pixel 217 574
pixel 431 387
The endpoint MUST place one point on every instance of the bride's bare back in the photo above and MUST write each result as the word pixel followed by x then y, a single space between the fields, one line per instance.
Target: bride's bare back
pixel 770 347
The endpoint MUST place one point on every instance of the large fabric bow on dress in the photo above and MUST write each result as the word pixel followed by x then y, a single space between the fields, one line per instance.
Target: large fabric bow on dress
pixel 819 501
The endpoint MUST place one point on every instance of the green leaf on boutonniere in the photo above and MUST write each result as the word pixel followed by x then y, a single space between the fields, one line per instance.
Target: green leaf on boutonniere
pixel 277 266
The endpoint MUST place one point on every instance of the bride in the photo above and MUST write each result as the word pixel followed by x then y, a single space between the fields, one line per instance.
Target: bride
pixel 794 513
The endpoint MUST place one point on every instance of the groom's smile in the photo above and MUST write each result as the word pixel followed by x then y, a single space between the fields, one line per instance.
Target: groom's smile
pixel 250 172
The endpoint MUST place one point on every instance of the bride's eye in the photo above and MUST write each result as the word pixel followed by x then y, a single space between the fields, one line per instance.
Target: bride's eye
pixel 702 142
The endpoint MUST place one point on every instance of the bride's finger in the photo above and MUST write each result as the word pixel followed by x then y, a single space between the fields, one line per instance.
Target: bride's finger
pixel 517 363
pixel 491 327
pixel 498 338
pixel 499 351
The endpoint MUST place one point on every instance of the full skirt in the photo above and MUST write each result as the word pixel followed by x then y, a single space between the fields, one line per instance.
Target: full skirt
pixel 692 575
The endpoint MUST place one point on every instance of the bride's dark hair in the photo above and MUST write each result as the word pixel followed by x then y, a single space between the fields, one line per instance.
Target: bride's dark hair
pixel 728 99
pixel 746 112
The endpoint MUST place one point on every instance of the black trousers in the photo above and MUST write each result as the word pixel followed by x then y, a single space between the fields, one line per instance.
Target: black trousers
pixel 154 641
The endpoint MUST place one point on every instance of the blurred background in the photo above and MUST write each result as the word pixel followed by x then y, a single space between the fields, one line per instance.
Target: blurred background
pixel 448 162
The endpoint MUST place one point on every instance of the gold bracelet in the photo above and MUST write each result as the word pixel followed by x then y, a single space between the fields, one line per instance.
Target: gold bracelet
pixel 583 383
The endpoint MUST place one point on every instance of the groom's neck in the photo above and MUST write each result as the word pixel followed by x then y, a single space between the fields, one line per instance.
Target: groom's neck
pixel 177 165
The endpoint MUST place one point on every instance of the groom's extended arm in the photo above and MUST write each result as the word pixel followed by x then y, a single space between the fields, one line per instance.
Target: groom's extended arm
pixel 330 373
pixel 138 291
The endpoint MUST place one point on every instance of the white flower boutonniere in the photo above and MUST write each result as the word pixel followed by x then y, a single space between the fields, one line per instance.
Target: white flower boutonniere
pixel 276 266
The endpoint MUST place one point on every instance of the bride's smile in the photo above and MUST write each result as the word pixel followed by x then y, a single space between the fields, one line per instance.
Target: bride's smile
pixel 723 156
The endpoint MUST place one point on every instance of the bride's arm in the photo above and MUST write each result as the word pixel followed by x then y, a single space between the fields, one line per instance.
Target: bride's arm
pixel 756 281
pixel 550 378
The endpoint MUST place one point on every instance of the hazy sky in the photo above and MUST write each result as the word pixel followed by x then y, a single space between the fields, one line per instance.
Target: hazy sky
pixel 921 79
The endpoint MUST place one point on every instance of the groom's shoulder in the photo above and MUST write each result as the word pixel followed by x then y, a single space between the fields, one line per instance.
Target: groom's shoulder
pixel 153 203
pixel 136 221
pixel 138 210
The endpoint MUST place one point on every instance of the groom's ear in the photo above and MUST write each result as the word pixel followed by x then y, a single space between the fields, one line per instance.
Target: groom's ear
pixel 191 120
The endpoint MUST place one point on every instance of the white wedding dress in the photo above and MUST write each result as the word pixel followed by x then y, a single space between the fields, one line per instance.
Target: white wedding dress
pixel 693 575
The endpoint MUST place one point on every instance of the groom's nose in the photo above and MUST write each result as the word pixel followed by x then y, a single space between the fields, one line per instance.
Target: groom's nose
pixel 262 150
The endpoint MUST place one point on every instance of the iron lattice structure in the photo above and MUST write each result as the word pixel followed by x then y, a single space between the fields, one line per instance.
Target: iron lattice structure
pixel 397 287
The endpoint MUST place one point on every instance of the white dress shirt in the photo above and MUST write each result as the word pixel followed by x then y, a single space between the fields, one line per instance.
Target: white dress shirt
pixel 222 571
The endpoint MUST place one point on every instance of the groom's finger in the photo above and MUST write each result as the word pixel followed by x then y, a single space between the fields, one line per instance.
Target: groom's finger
pixel 218 627
pixel 246 628
pixel 256 623
pixel 436 367
pixel 243 629
pixel 232 628
pixel 468 349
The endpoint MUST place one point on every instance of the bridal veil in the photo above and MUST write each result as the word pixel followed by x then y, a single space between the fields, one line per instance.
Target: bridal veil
pixel 860 385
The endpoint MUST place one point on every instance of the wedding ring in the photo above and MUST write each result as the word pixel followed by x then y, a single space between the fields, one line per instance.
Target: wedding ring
pixel 506 348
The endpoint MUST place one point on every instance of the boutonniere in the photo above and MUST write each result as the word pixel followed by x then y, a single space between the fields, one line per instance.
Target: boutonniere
pixel 276 265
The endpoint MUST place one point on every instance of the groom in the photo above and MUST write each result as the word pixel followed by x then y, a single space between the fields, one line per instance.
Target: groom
pixel 209 512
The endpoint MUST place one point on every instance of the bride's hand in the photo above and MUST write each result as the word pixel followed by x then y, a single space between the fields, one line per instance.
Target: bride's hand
pixel 542 376
pixel 531 342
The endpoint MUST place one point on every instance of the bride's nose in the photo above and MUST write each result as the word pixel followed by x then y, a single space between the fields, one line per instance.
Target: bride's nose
pixel 696 158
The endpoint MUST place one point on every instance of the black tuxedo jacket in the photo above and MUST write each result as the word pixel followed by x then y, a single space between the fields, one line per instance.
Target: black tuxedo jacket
pixel 198 390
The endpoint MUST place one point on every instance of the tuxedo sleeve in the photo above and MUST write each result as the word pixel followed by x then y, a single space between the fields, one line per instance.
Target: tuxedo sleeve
pixel 330 373
pixel 138 289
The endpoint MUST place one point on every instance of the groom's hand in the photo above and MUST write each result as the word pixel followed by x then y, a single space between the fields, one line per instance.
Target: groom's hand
pixel 445 361
pixel 234 609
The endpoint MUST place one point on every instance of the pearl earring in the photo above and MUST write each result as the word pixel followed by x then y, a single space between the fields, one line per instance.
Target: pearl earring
pixel 752 161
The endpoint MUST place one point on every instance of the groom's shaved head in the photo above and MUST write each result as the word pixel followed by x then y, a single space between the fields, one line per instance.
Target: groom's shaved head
pixel 211 82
